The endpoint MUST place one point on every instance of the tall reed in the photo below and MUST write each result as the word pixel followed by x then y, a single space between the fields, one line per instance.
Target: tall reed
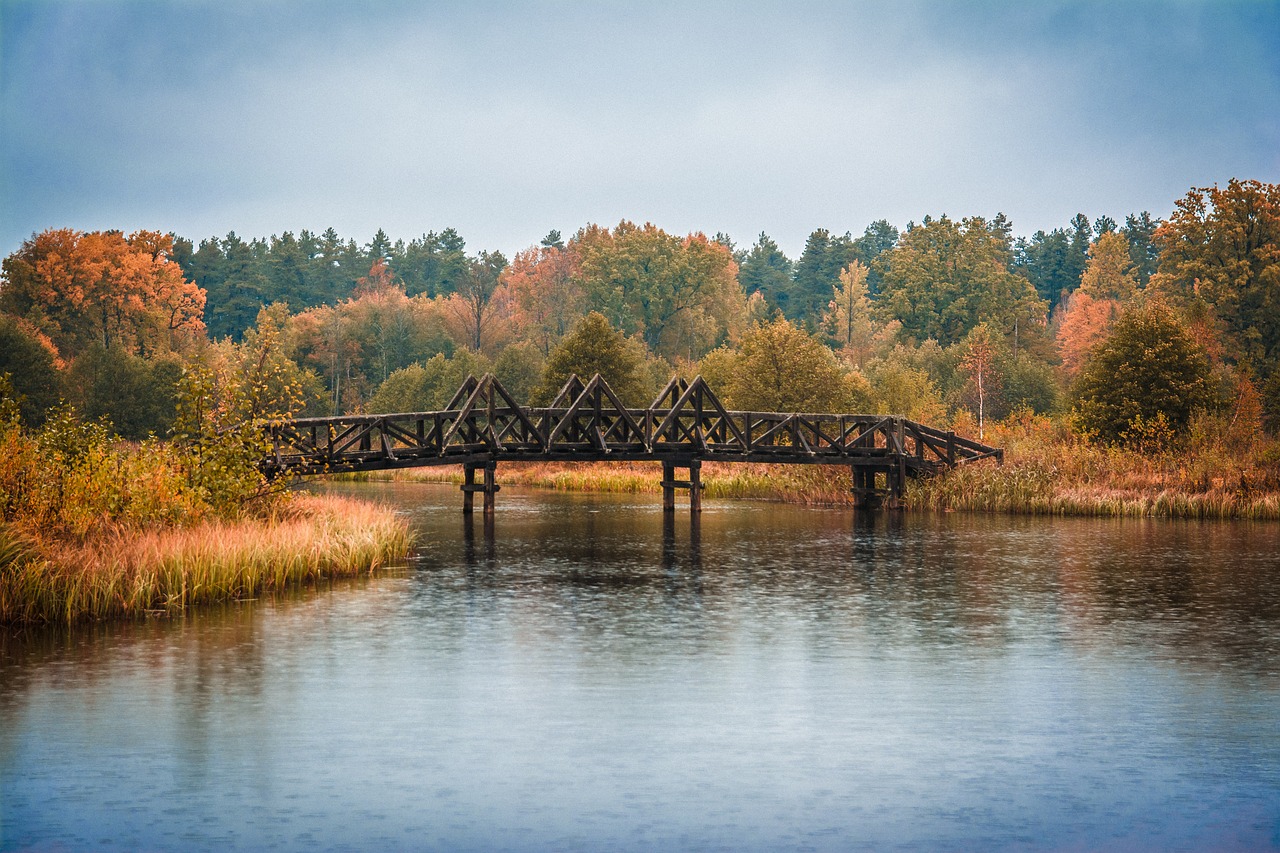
pixel 136 572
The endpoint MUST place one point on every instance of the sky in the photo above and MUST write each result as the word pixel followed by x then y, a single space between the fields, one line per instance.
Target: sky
pixel 507 120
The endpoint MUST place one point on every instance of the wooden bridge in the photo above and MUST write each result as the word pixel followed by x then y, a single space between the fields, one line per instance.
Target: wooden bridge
pixel 586 422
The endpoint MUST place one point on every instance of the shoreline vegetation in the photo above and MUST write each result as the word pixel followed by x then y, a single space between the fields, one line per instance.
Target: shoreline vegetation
pixel 95 528
pixel 135 573
pixel 1047 472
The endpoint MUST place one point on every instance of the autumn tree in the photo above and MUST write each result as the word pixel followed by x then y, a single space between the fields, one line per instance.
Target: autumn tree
pixel 102 287
pixel 472 306
pixel 544 293
pixel 428 386
pixel 898 388
pixel 848 317
pixel 1109 273
pixel 1143 382
pixel 1222 246
pixel 358 343
pixel 1084 324
pixel 594 346
pixel 1108 282
pixel 980 353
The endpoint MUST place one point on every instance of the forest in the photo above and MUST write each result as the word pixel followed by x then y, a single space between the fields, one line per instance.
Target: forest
pixel 946 318
pixel 1145 335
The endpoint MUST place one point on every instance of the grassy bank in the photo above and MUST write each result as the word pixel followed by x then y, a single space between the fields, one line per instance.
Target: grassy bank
pixel 92 527
pixel 801 484
pixel 133 572
pixel 1071 478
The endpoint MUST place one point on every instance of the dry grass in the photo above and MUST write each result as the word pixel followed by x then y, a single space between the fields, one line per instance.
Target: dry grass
pixel 1048 472
pixel 802 484
pixel 133 572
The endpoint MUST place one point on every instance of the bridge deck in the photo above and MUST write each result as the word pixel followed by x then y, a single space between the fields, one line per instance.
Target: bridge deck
pixel 684 426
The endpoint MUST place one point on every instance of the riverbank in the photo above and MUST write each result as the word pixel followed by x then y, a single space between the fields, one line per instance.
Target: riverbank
pixel 815 485
pixel 132 573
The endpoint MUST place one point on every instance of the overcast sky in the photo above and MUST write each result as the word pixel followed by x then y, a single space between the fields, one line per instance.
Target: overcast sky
pixel 505 120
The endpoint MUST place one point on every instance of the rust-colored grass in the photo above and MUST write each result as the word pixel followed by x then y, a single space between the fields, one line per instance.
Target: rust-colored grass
pixel 133 572
pixel 802 484
pixel 1050 472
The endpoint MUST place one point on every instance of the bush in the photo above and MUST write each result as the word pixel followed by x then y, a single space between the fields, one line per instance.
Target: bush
pixel 594 347
pixel 1141 385
pixel 778 367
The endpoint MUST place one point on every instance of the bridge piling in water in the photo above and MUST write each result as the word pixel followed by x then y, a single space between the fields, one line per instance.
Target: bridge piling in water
pixel 693 484
pixel 488 486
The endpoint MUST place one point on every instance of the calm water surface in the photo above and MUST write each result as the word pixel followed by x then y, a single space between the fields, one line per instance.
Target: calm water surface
pixel 590 678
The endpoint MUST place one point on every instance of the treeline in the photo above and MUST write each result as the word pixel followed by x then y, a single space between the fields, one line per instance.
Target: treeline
pixel 1133 330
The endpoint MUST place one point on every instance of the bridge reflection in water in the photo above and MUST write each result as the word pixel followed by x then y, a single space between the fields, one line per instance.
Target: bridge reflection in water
pixel 586 422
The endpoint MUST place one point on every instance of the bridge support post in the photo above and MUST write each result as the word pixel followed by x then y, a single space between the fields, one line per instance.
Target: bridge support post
pixel 865 494
pixel 693 484
pixel 468 489
pixel 897 477
pixel 488 486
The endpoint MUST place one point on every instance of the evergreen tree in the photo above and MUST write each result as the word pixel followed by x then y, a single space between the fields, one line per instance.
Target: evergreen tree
pixel 767 271
pixel 879 238
pixel 816 273
pixel 379 247
pixel 1144 253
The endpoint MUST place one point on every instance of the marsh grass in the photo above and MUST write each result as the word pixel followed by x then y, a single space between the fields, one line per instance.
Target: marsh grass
pixel 1051 472
pixel 130 573
pixel 93 528
pixel 802 484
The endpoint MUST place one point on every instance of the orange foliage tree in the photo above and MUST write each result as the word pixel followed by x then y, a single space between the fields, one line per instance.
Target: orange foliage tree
pixel 102 287
pixel 542 292
pixel 1109 282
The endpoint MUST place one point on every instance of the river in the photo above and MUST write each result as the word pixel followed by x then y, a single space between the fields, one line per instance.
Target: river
pixel 590 678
